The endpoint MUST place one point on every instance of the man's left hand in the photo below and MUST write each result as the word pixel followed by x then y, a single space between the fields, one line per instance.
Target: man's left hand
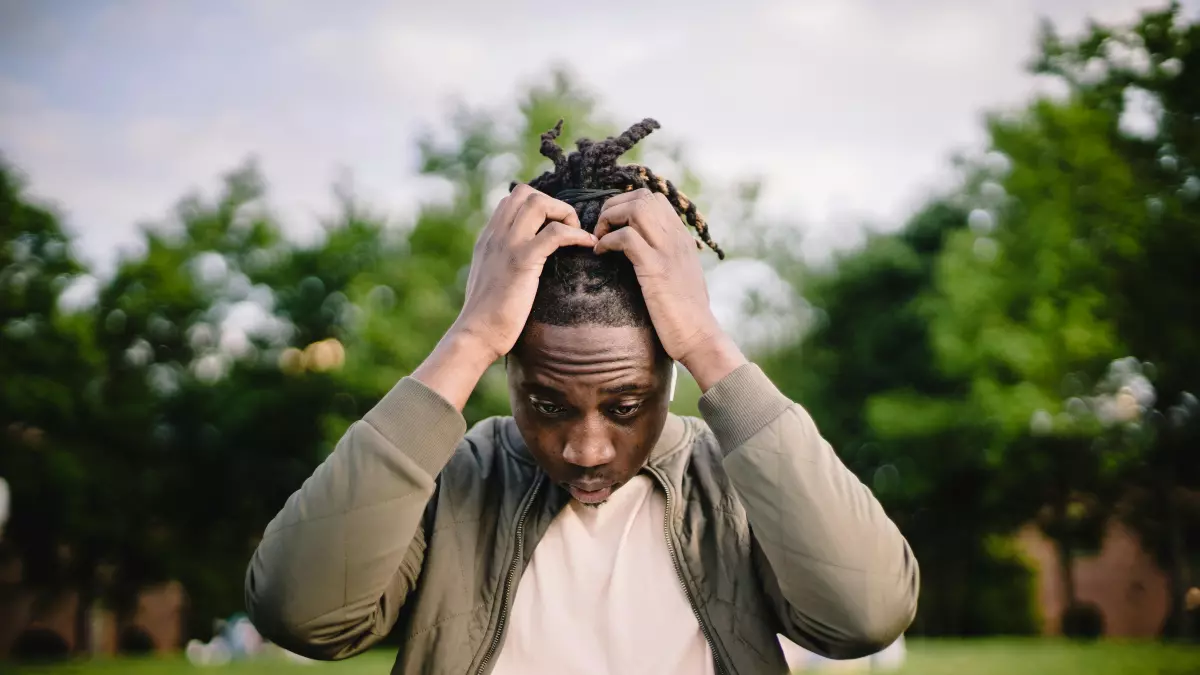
pixel 645 227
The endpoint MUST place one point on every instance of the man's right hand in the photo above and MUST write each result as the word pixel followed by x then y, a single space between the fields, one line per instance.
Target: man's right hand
pixel 505 268
pixel 508 261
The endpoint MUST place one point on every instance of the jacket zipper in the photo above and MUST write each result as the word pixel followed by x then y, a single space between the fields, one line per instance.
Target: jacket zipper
pixel 666 485
pixel 508 582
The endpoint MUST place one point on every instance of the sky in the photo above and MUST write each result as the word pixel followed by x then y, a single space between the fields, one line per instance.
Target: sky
pixel 849 110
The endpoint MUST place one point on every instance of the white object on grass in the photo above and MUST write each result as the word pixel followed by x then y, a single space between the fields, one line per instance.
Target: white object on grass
pixel 800 659
pixel 4 502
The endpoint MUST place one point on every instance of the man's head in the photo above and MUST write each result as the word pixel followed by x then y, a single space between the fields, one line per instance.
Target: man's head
pixel 588 379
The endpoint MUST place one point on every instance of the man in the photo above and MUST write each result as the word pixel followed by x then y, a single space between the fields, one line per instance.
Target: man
pixel 591 532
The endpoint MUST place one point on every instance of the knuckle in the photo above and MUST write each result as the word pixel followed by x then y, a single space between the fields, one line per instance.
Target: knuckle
pixel 538 201
pixel 522 191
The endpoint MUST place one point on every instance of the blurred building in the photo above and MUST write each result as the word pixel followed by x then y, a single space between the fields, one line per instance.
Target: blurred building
pixel 1120 580
pixel 46 622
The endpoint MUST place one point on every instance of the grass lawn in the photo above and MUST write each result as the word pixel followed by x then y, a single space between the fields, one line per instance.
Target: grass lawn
pixel 925 657
pixel 1034 657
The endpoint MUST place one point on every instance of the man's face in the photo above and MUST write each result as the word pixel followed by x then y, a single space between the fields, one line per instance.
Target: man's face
pixel 590 402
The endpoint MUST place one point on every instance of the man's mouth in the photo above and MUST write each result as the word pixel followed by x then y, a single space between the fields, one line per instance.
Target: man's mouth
pixel 590 493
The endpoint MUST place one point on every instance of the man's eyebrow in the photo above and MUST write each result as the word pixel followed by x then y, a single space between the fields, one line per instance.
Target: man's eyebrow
pixel 626 388
pixel 535 388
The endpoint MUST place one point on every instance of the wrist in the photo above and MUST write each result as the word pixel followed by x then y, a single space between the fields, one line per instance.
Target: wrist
pixel 470 343
pixel 455 366
pixel 713 359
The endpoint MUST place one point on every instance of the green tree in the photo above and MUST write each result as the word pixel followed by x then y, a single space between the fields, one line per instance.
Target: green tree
pixel 1078 258
pixel 866 372
pixel 1151 70
pixel 205 428
pixel 47 366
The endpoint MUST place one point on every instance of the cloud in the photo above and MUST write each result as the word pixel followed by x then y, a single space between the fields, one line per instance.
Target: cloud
pixel 849 110
pixel 109 176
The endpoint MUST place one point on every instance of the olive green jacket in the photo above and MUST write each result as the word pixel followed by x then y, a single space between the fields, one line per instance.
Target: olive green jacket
pixel 411 526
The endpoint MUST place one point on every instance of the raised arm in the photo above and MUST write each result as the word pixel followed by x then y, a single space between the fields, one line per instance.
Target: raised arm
pixel 843 580
pixel 337 563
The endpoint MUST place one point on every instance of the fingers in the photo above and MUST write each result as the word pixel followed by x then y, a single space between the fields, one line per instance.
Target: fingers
pixel 624 197
pixel 556 235
pixel 508 206
pixel 605 223
pixel 535 210
pixel 640 193
pixel 651 213
pixel 502 216
pixel 630 242
pixel 637 213
pixel 666 203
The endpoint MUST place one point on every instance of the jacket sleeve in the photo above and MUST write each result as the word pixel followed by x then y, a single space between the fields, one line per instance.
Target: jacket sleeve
pixel 841 577
pixel 335 565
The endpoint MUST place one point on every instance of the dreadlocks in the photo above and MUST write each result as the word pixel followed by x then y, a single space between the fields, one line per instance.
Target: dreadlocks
pixel 577 286
pixel 590 173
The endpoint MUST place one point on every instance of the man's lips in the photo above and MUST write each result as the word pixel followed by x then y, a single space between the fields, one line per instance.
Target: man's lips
pixel 590 493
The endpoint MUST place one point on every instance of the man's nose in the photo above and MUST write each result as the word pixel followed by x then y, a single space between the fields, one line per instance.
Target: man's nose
pixel 588 445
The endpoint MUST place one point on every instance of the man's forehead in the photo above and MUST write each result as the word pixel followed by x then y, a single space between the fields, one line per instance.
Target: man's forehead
pixel 588 343
pixel 611 385
pixel 606 356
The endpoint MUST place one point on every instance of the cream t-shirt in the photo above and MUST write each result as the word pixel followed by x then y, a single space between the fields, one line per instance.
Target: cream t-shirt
pixel 601 596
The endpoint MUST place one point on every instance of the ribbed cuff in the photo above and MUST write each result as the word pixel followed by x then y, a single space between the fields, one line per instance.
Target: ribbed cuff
pixel 740 405
pixel 419 422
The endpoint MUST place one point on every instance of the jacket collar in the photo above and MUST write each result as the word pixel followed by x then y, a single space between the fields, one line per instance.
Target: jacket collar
pixel 674 434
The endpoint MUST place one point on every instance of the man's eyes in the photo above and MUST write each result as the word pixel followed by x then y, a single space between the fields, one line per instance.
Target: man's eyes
pixel 627 410
pixel 549 409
